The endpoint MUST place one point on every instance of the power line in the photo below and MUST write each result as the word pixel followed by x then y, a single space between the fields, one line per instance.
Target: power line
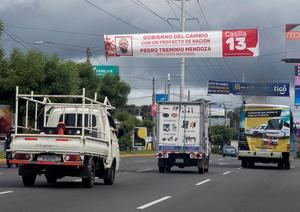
pixel 110 14
pixel 53 30
pixel 145 7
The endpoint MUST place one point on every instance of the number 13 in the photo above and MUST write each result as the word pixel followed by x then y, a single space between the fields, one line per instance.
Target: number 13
pixel 241 44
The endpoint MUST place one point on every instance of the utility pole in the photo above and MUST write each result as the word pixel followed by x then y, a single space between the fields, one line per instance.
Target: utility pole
pixel 154 117
pixel 182 59
pixel 88 55
pixel 189 95
pixel 169 84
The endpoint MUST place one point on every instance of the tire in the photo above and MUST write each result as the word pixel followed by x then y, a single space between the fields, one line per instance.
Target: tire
pixel 8 164
pixel 251 164
pixel 280 165
pixel 201 166
pixel 207 165
pixel 28 181
pixel 168 169
pixel 110 176
pixel 161 169
pixel 287 164
pixel 51 179
pixel 88 182
pixel 244 163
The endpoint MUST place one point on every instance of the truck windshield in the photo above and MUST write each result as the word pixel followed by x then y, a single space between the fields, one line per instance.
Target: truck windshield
pixel 274 124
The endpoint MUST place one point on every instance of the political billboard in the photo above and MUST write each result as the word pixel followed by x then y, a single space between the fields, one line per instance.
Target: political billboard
pixel 249 88
pixel 207 44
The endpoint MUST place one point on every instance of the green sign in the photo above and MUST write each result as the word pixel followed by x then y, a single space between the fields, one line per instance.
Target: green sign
pixel 102 70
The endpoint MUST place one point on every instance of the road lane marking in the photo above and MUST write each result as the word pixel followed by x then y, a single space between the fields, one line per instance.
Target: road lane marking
pixel 6 192
pixel 153 203
pixel 221 159
pixel 291 167
pixel 226 172
pixel 239 168
pixel 202 182
pixel 1 173
pixel 223 163
pixel 143 170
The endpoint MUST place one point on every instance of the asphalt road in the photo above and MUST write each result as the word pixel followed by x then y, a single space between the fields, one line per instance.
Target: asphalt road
pixel 139 187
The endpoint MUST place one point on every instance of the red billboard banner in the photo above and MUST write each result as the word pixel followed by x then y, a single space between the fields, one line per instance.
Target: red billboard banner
pixel 292 31
pixel 241 42
pixel 208 44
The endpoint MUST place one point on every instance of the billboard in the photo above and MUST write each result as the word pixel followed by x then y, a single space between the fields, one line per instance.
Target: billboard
pixel 139 137
pixel 292 31
pixel 217 110
pixel 248 88
pixel 208 44
pixel 101 70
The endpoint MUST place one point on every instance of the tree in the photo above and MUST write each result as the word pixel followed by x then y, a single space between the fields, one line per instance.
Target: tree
pixel 221 135
pixel 116 90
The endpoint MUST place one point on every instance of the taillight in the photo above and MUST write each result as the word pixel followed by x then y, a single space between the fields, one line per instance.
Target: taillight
pixel 198 155
pixel 159 155
pixel 72 158
pixel 22 156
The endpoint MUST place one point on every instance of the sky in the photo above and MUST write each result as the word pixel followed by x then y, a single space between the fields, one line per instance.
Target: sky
pixel 68 27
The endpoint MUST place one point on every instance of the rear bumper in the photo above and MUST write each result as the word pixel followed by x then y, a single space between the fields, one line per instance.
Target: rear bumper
pixel 253 154
pixel 69 163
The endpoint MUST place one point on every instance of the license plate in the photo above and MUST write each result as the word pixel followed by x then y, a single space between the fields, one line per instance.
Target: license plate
pixel 179 160
pixel 51 158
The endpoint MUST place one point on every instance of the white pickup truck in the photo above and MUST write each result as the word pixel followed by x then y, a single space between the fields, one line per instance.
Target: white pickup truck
pixel 62 143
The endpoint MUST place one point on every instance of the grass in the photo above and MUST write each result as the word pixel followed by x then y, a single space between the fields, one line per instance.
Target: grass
pixel 2 155
pixel 137 152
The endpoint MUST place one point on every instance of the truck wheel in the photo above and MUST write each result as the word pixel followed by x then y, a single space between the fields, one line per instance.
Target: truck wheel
pixel 207 165
pixel 51 179
pixel 8 156
pixel 201 166
pixel 287 164
pixel 280 164
pixel 110 176
pixel 161 169
pixel 88 182
pixel 28 181
pixel 168 169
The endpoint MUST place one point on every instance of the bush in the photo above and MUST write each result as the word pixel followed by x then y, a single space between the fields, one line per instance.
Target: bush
pixel 216 150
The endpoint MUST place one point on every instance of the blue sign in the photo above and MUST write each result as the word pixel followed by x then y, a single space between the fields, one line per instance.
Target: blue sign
pixel 248 88
pixel 297 96
pixel 161 97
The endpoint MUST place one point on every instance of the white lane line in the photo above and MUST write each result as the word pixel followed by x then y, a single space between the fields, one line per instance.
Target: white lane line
pixel 202 182
pixel 143 170
pixel 6 192
pixel 221 159
pixel 223 163
pixel 226 172
pixel 239 168
pixel 153 203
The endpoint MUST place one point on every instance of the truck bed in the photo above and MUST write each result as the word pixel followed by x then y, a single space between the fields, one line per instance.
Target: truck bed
pixel 59 144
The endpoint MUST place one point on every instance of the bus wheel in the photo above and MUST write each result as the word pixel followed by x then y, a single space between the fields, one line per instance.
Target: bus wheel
pixel 244 163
